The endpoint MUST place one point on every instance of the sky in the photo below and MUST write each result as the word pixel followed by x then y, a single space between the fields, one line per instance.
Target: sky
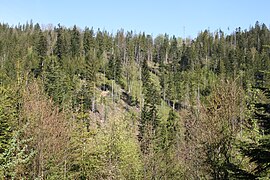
pixel 174 17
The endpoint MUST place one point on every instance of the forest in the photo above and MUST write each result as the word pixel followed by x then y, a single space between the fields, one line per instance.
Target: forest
pixel 90 104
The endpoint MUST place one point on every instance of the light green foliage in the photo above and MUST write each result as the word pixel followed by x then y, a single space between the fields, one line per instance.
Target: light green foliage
pixel 7 121
pixel 8 116
pixel 111 152
pixel 166 150
pixel 14 150
pixel 16 156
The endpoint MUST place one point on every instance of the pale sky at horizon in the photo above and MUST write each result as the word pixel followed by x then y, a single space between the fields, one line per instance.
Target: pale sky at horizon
pixel 174 17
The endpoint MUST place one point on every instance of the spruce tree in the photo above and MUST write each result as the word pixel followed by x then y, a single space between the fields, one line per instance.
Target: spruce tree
pixel 163 79
pixel 60 44
pixel 111 67
pixel 100 47
pixel 118 69
pixel 257 149
pixel 75 42
pixel 56 83
pixel 41 52
pixel 171 128
pixel 145 73
pixel 88 40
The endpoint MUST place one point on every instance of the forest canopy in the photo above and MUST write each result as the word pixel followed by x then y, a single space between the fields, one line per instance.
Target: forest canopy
pixel 84 104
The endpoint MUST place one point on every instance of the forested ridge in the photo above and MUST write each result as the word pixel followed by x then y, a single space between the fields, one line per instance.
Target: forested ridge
pixel 84 104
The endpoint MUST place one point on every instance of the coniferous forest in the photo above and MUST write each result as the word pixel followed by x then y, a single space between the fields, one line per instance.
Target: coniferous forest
pixel 85 104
